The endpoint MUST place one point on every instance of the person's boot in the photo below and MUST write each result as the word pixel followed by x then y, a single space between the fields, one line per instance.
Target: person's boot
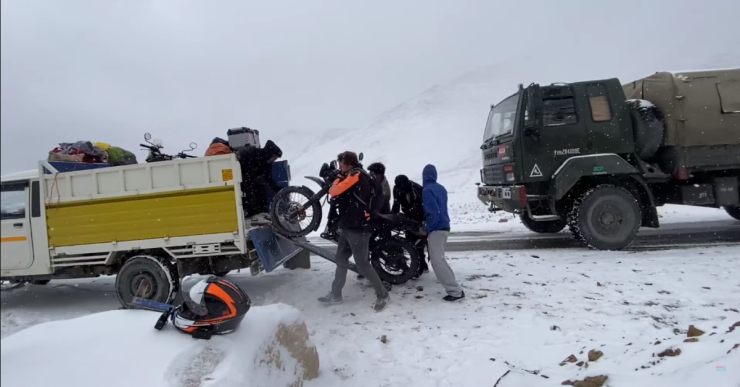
pixel 451 298
pixel 381 303
pixel 329 235
pixel 330 299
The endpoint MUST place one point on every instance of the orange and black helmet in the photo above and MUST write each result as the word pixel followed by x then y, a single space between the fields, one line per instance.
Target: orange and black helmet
pixel 212 306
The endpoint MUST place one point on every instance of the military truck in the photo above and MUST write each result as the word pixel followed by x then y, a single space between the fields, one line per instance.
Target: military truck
pixel 599 156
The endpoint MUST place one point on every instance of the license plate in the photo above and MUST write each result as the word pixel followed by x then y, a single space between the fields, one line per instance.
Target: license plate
pixel 506 193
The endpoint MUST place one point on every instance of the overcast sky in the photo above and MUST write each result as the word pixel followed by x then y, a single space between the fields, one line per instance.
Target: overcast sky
pixel 188 70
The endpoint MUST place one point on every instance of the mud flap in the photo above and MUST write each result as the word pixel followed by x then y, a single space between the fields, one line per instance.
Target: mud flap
pixel 271 250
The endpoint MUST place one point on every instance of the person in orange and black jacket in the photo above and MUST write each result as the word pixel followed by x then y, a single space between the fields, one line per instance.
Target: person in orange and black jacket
pixel 357 198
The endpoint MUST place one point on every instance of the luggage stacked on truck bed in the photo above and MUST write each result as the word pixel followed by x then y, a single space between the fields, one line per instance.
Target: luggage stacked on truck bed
pixel 117 155
pixel 82 155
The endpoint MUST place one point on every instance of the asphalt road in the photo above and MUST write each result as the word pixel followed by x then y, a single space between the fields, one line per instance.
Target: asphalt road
pixel 724 232
pixel 684 235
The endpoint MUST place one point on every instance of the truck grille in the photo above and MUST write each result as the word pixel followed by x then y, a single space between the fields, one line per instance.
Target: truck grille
pixel 494 175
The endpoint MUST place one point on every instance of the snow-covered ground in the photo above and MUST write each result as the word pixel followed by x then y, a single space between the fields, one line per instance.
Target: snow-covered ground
pixel 530 309
pixel 120 348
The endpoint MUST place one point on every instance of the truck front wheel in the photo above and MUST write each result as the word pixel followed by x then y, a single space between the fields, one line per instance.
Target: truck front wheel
pixel 546 227
pixel 733 211
pixel 145 277
pixel 607 217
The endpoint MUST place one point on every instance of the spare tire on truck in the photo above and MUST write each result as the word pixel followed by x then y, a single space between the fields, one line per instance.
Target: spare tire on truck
pixel 649 127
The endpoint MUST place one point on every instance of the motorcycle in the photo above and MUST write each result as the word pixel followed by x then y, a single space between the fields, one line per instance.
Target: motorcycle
pixel 297 211
pixel 155 150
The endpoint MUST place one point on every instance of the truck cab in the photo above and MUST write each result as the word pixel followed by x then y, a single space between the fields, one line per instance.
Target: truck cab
pixel 530 134
pixel 21 221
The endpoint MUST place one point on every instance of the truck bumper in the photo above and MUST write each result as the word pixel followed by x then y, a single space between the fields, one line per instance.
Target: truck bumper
pixel 511 198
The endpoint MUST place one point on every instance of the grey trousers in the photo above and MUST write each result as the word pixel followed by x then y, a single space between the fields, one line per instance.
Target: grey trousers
pixel 436 243
pixel 355 243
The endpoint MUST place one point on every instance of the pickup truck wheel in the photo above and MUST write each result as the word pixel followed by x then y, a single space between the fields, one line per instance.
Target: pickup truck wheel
pixel 607 217
pixel 547 227
pixel 733 211
pixel 146 277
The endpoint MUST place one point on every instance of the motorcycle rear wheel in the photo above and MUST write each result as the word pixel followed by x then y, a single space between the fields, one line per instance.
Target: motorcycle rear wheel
pixel 395 260
pixel 287 214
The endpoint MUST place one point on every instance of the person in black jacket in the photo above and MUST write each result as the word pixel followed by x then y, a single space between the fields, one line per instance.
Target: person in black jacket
pixel 407 199
pixel 356 197
pixel 257 179
pixel 377 171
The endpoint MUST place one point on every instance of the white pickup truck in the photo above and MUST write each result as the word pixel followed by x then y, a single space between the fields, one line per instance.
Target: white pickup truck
pixel 150 224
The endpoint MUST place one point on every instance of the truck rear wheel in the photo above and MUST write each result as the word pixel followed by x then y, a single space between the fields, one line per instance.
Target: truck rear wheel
pixel 606 217
pixel 733 211
pixel 145 277
pixel 546 227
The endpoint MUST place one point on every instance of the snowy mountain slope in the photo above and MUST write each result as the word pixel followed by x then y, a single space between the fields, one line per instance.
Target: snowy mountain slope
pixel 443 125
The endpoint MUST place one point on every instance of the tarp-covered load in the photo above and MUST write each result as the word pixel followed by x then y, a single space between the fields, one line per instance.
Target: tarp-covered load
pixel 701 108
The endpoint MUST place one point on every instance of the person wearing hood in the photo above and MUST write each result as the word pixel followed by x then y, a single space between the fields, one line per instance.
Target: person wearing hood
pixel 257 179
pixel 434 197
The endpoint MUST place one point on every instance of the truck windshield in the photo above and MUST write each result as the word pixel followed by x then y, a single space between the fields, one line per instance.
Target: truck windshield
pixel 501 118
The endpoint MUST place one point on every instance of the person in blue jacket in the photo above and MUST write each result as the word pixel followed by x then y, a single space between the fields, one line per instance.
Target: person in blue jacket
pixel 434 197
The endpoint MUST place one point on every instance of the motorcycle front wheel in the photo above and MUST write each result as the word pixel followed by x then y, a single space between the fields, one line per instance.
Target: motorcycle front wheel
pixel 292 215
pixel 395 260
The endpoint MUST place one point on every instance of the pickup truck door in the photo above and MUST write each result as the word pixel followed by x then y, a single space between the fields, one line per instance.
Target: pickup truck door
pixel 16 252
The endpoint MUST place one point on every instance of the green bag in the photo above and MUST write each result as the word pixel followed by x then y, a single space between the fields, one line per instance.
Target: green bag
pixel 120 156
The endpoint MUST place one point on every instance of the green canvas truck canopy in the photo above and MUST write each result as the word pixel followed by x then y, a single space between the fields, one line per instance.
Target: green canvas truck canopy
pixel 701 108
